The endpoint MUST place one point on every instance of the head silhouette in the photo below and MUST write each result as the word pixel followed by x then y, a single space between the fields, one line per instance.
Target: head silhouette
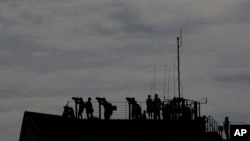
pixel 156 95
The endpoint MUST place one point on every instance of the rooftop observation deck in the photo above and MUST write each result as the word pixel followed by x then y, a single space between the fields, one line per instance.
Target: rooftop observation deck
pixel 122 108
pixel 41 127
pixel 123 112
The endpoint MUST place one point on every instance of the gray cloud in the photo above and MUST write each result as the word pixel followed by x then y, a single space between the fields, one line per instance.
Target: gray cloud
pixel 52 50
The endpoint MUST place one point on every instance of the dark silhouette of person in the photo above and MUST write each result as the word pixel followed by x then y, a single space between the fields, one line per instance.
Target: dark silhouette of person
pixel 134 110
pixel 220 128
pixel 143 116
pixel 89 109
pixel 71 113
pixel 166 111
pixel 108 111
pixel 226 127
pixel 157 107
pixel 81 108
pixel 150 107
pixel 138 111
pixel 204 122
pixel 68 112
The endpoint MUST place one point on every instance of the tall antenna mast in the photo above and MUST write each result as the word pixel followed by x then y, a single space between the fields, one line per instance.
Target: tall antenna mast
pixel 152 82
pixel 179 44
pixel 154 76
pixel 174 79
pixel 168 81
pixel 182 90
pixel 164 88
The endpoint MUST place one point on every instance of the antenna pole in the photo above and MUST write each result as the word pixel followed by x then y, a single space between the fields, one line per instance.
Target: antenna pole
pixel 182 91
pixel 152 82
pixel 174 79
pixel 151 85
pixel 154 76
pixel 178 67
pixel 168 82
pixel 164 88
pixel 179 44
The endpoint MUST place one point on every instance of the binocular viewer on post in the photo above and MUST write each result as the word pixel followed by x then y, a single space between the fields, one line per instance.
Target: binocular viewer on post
pixel 103 101
pixel 76 99
pixel 131 100
pixel 100 100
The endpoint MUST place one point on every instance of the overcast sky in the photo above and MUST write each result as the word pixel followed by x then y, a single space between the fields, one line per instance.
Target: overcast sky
pixel 51 50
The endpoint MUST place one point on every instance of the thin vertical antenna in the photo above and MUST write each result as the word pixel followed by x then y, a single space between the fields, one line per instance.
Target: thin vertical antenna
pixel 168 81
pixel 182 90
pixel 180 37
pixel 152 80
pixel 180 46
pixel 178 66
pixel 164 87
pixel 154 76
pixel 178 61
pixel 174 79
pixel 182 93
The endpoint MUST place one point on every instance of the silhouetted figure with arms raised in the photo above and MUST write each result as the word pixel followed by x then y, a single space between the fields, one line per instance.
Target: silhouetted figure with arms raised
pixel 150 107
pixel 226 127
pixel 89 109
pixel 157 107
pixel 81 108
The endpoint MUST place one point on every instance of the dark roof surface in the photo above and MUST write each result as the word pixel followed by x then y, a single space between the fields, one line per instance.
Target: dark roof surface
pixel 45 127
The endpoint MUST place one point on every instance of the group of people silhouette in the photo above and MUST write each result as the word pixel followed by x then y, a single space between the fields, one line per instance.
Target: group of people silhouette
pixel 152 112
pixel 153 107
pixel 80 106
pixel 69 112
pixel 108 108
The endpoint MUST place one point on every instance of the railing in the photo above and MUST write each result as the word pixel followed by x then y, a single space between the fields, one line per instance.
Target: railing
pixel 122 111
pixel 212 125
pixel 221 128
